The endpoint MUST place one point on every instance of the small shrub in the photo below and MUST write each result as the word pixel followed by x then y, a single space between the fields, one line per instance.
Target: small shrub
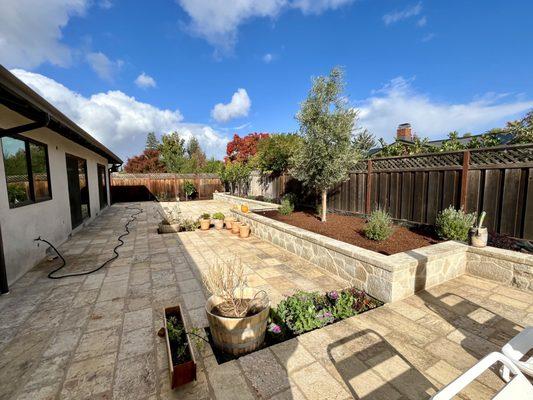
pixel 205 216
pixel 379 226
pixel 187 225
pixel 189 189
pixel 218 215
pixel 452 224
pixel 286 207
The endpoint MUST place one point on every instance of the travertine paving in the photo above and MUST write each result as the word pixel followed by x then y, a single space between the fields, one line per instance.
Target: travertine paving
pixel 95 336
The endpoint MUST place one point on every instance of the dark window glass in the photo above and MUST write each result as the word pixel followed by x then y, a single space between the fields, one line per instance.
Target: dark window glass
pixel 39 170
pixel 26 167
pixel 16 166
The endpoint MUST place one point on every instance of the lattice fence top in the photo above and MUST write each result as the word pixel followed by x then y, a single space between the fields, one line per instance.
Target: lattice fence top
pixel 426 161
pixel 121 175
pixel 504 156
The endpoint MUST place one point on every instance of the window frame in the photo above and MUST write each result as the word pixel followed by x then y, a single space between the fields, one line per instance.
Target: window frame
pixel 29 167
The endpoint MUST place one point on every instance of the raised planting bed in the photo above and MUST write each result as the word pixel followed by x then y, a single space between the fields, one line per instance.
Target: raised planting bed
pixel 304 312
pixel 349 229
pixel 181 362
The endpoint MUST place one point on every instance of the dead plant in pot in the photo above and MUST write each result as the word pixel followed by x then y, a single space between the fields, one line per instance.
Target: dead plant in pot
pixel 169 220
pixel 237 314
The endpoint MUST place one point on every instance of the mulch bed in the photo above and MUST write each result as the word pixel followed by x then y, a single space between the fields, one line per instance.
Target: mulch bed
pixel 349 229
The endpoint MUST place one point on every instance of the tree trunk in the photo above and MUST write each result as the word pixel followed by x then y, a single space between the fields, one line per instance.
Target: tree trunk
pixel 324 205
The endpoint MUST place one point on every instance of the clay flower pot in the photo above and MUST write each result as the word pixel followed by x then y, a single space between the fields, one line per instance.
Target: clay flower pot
pixel 244 230
pixel 219 224
pixel 228 221
pixel 205 224
pixel 235 227
pixel 478 237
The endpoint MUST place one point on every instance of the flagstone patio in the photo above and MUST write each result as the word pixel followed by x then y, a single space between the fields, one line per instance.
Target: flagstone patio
pixel 95 336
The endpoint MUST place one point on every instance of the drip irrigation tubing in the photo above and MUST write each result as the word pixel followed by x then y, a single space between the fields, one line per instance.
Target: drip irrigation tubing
pixel 133 217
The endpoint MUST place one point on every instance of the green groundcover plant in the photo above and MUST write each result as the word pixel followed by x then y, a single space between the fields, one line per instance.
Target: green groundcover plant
pixel 305 311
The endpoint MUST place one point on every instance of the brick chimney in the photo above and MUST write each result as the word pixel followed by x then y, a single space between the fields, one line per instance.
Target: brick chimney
pixel 404 132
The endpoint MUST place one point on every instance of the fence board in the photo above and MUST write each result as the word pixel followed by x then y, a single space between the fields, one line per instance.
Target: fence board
pixel 511 188
pixel 491 198
pixel 527 230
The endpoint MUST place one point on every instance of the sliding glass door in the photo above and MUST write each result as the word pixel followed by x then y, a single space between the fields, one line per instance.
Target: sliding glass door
pixel 78 189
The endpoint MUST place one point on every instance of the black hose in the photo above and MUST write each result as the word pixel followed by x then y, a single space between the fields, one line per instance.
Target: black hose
pixel 133 217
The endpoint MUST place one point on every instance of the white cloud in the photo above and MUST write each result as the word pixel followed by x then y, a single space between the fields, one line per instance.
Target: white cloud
pixel 422 21
pixel 408 12
pixel 118 120
pixel 30 31
pixel 105 4
pixel 239 106
pixel 268 57
pixel 218 21
pixel 397 102
pixel 145 81
pixel 427 37
pixel 105 68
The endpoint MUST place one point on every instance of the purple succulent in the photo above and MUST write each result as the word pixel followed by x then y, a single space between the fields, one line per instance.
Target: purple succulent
pixel 274 328
pixel 333 295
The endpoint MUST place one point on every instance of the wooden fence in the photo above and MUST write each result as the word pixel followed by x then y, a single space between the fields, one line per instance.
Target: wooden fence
pixel 498 180
pixel 142 187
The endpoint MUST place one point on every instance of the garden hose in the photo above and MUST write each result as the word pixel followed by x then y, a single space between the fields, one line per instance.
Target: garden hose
pixel 133 217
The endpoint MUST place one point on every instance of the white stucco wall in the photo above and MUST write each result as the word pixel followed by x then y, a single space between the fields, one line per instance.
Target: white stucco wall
pixel 49 219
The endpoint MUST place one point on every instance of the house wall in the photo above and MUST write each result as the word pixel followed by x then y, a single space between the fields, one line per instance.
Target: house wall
pixel 49 219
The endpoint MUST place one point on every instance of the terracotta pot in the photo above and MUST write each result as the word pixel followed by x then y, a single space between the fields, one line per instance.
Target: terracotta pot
pixel 205 224
pixel 237 336
pixel 235 227
pixel 219 224
pixel 244 230
pixel 245 208
pixel 228 221
pixel 478 237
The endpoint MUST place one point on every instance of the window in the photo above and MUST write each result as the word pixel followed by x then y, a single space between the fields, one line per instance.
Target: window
pixel 26 167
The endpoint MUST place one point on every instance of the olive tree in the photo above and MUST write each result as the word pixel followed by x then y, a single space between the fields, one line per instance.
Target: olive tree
pixel 326 124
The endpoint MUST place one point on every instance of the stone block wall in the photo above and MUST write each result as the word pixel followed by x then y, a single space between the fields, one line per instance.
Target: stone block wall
pixel 391 278
pixel 253 204
pixel 503 266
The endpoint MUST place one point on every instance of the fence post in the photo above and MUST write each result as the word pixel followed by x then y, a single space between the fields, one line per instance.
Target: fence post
pixel 368 205
pixel 464 178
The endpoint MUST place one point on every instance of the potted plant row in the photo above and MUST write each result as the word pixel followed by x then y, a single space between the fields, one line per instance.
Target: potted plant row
pixel 219 220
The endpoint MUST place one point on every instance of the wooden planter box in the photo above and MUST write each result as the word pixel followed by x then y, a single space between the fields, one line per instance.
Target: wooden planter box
pixel 180 374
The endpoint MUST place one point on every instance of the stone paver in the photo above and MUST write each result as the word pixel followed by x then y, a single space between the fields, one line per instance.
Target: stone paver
pixel 95 336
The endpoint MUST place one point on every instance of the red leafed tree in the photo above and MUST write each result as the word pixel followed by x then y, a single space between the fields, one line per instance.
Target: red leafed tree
pixel 241 149
pixel 147 162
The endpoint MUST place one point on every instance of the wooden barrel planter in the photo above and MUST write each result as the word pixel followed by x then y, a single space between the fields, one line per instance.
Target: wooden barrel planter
pixel 237 336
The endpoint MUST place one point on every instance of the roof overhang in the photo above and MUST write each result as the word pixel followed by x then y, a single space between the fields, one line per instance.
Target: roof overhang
pixel 19 97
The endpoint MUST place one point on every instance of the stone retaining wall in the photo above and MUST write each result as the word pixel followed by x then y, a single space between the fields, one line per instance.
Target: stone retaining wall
pixel 391 278
pixel 388 278
pixel 253 204
pixel 503 266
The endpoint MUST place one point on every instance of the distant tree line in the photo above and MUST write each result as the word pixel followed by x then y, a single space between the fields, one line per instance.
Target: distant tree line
pixel 172 154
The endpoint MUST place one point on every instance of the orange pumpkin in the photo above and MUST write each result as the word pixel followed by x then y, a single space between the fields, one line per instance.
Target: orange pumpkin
pixel 244 208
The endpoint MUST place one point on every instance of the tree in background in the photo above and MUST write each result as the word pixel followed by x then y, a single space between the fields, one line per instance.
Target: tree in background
pixel 242 149
pixel 363 140
pixel 172 150
pixel 237 175
pixel 151 141
pixel 522 129
pixel 147 162
pixel 196 157
pixel 275 152
pixel 326 125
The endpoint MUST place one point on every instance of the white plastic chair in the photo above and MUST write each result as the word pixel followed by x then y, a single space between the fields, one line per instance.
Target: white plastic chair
pixel 516 349
pixel 518 386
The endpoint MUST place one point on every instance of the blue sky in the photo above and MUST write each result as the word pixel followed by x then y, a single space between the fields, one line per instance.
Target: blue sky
pixel 121 68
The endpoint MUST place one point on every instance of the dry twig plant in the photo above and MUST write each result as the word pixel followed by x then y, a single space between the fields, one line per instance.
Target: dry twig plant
pixel 227 281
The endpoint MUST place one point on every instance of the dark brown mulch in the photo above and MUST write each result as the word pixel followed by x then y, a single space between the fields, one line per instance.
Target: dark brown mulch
pixel 349 229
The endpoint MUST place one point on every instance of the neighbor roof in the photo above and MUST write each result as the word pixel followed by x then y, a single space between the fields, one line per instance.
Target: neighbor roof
pixel 19 97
